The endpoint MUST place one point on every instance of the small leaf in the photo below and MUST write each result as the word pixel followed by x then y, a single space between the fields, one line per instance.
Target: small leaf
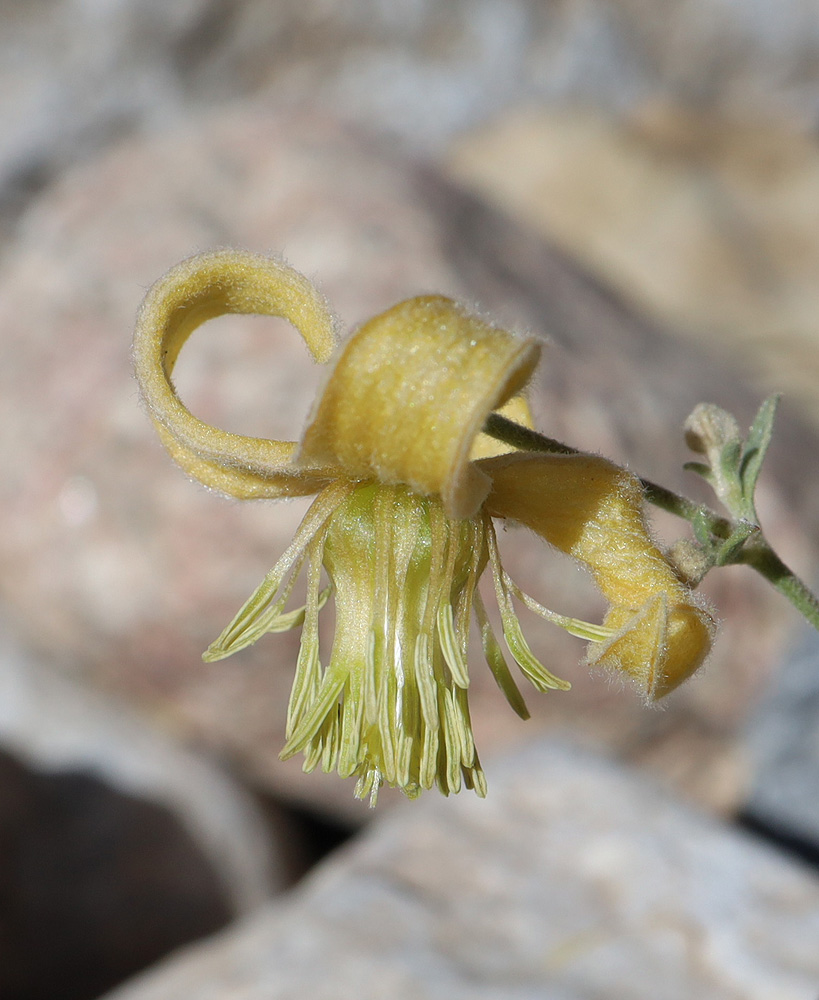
pixel 702 529
pixel 701 469
pixel 759 437
pixel 728 485
pixel 538 675
pixel 725 554
pixel 729 457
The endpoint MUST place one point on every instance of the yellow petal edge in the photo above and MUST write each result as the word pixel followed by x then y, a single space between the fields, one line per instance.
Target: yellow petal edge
pixel 202 288
pixel 409 395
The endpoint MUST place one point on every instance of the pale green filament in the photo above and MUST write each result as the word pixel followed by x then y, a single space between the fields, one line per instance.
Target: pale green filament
pixel 390 704
pixel 540 677
pixel 261 611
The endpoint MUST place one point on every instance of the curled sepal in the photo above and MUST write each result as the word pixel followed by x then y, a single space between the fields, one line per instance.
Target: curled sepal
pixel 202 288
pixel 659 646
pixel 409 395
pixel 593 510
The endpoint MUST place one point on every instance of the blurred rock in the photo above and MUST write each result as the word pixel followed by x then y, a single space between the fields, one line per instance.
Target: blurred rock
pixel 574 879
pixel 116 567
pixel 783 744
pixel 95 885
pixel 75 74
pixel 77 737
pixel 707 224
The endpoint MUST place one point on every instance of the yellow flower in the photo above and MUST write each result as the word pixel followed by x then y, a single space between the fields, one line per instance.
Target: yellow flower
pixel 407 488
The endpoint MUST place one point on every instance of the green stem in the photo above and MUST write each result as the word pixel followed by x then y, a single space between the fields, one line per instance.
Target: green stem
pixel 761 557
pixel 517 436
pixel 757 553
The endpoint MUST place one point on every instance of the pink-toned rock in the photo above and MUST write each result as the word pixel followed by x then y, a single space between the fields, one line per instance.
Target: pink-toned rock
pixel 578 879
pixel 708 224
pixel 116 566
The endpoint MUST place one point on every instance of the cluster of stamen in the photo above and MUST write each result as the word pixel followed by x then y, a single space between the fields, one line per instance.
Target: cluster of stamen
pixel 390 705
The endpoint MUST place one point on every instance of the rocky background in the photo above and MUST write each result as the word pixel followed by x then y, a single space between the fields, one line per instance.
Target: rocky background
pixel 638 183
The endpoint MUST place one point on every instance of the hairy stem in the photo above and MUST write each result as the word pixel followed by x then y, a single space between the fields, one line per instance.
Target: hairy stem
pixel 517 436
pixel 757 553
pixel 761 557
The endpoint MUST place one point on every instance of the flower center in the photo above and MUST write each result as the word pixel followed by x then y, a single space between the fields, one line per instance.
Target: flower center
pixel 391 704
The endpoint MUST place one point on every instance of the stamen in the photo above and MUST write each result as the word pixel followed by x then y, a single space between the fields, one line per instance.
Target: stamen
pixel 244 629
pixel 351 720
pixel 542 678
pixel 254 622
pixel 452 765
pixel 464 728
pixel 293 619
pixel 455 659
pixel 424 673
pixel 370 680
pixel 426 681
pixel 400 625
pixel 392 704
pixel 475 779
pixel 533 669
pixel 438 539
pixel 368 784
pixel 403 757
pixel 429 759
pixel 331 688
pixel 253 619
pixel 495 659
pixel 384 519
pixel 312 753
pixel 305 684
pixel 308 668
pixel 574 626
pixel 383 665
pixel 329 755
pixel 477 549
pixel 385 730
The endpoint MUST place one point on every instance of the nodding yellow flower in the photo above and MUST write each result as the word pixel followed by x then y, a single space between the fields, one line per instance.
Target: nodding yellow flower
pixel 407 487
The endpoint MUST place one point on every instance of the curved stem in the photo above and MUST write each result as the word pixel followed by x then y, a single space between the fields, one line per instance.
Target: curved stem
pixel 761 557
pixel 517 436
pixel 757 553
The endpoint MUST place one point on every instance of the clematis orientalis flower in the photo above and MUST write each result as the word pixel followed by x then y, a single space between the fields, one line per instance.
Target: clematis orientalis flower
pixel 407 487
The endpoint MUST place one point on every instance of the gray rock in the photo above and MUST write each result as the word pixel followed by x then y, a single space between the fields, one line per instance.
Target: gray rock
pixel 75 74
pixel 95 884
pixel 783 746
pixel 54 725
pixel 573 880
